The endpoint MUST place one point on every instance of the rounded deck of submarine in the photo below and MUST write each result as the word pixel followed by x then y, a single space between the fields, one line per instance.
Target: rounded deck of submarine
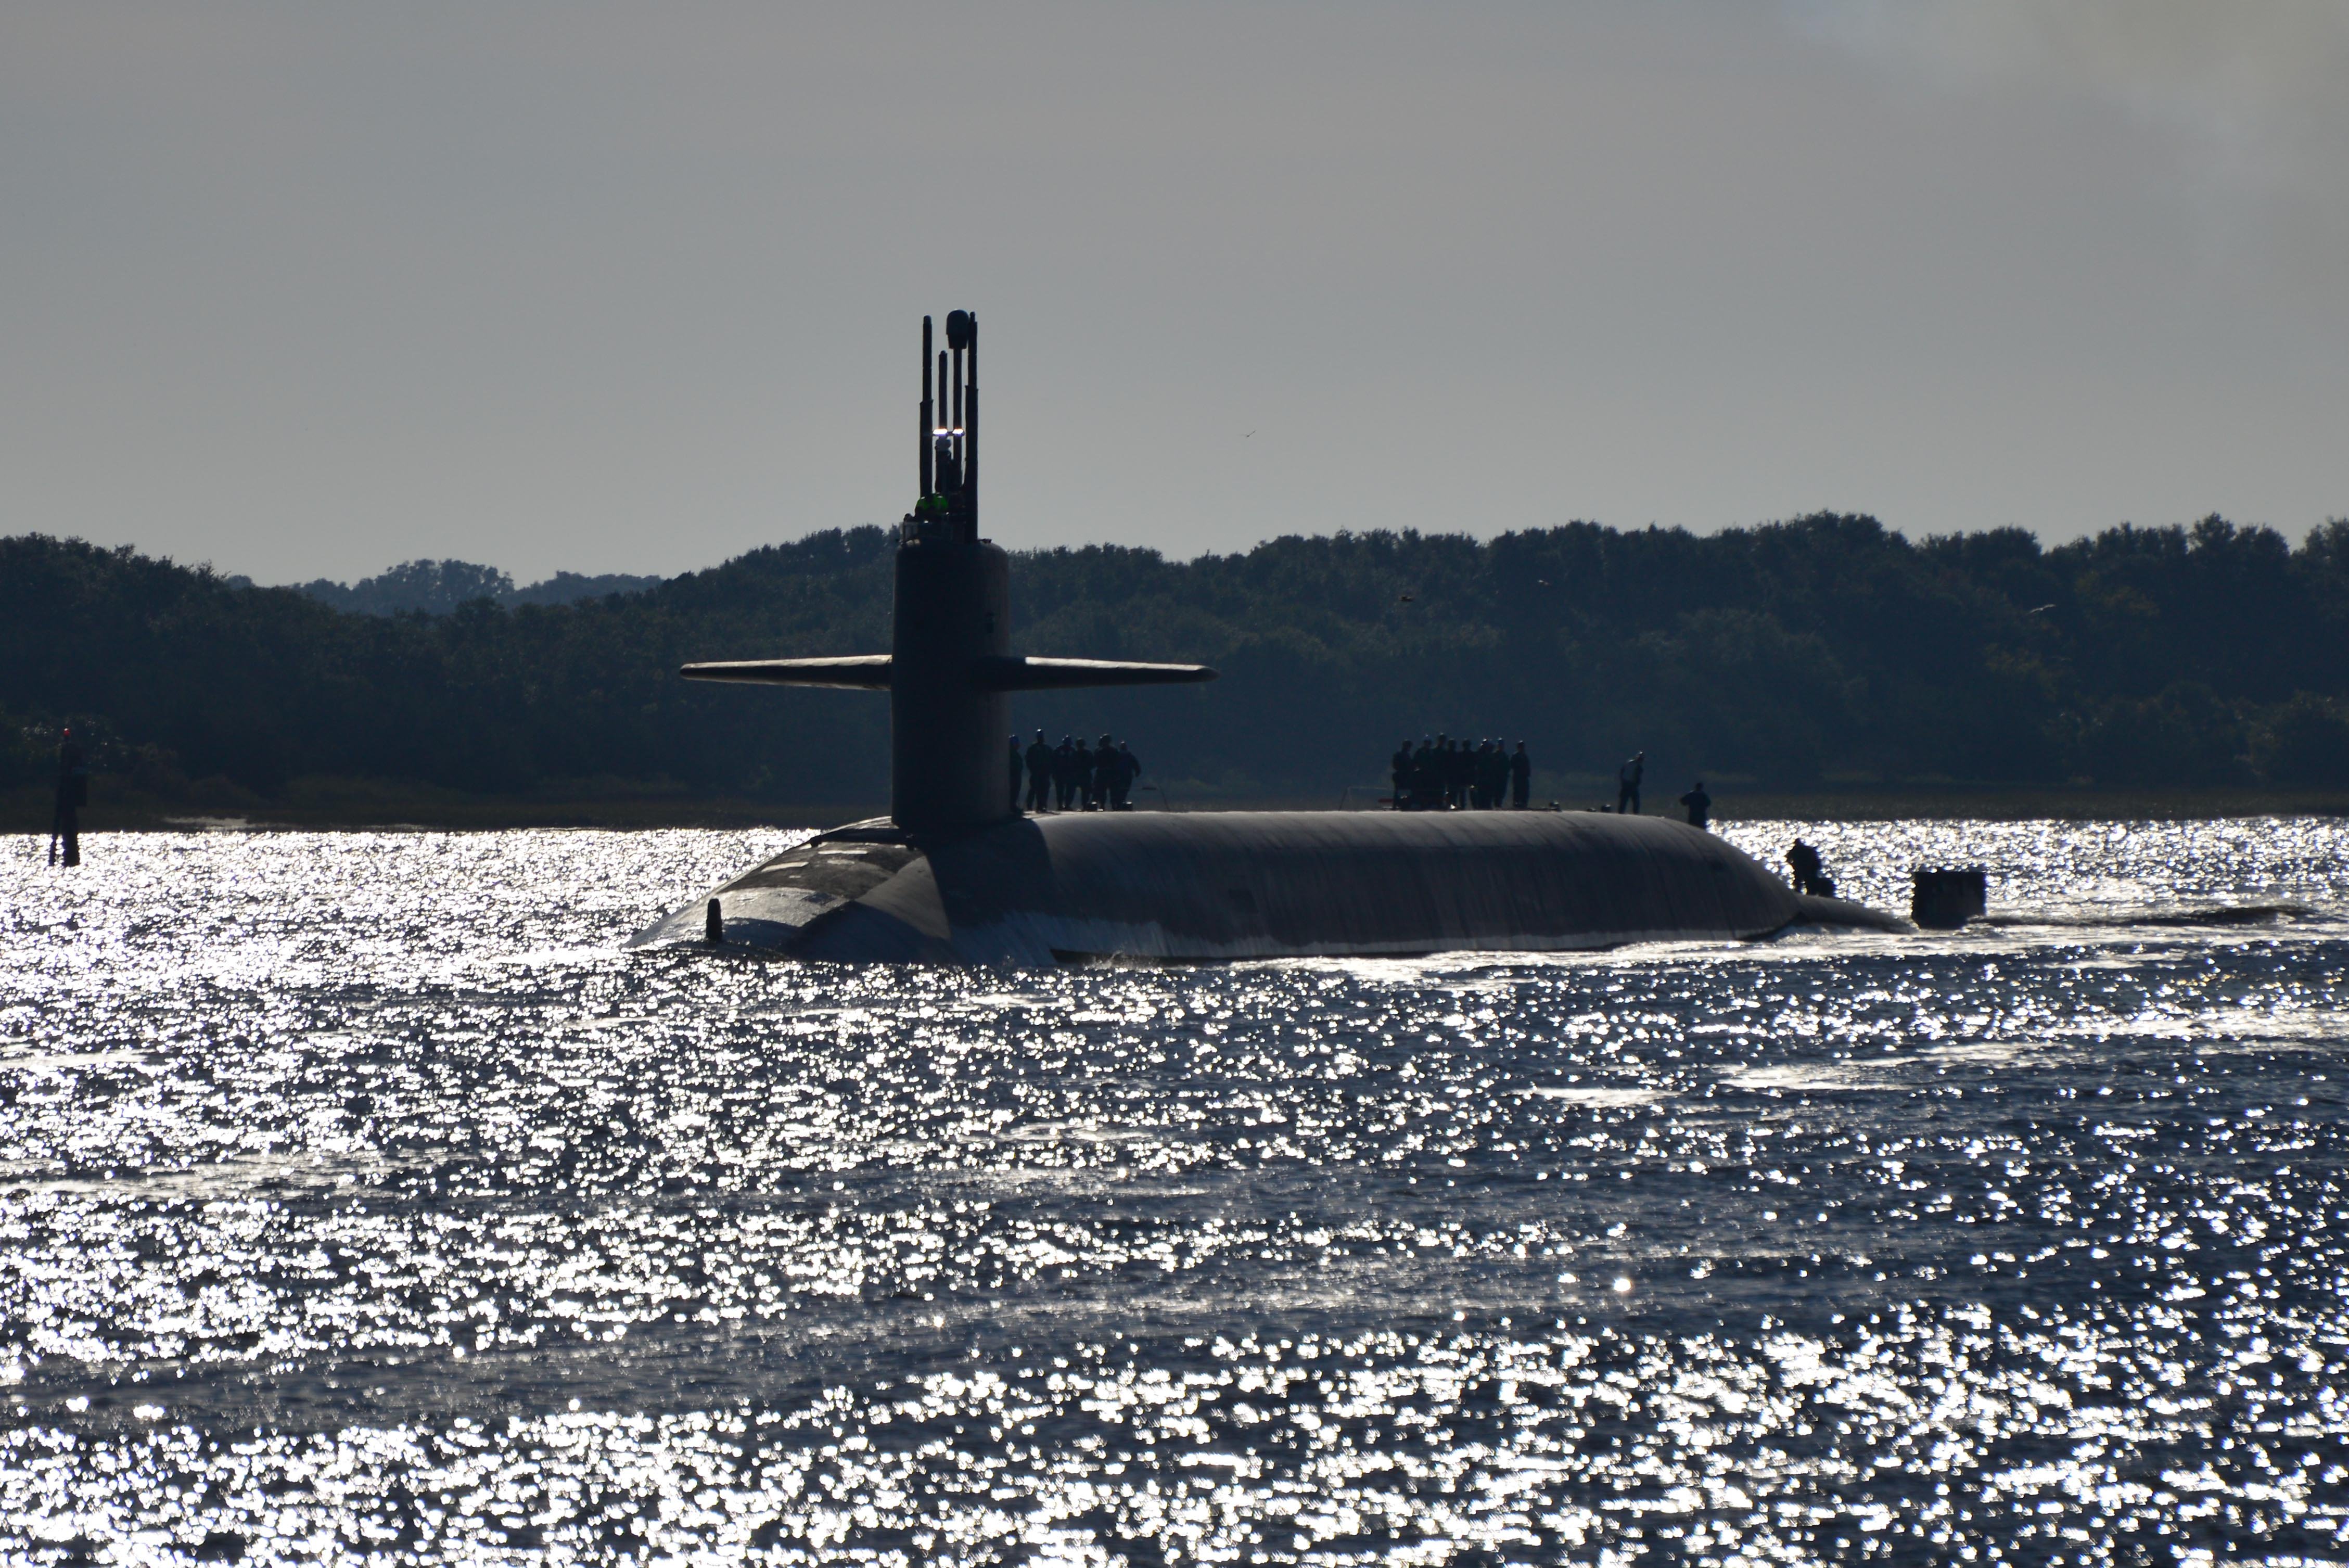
pixel 1226 885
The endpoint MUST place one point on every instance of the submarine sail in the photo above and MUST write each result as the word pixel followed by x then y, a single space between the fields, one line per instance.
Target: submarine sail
pixel 949 671
pixel 956 874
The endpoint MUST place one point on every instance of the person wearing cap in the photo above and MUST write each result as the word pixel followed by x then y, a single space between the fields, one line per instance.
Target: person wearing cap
pixel 1699 806
pixel 1626 782
pixel 1039 772
pixel 1101 777
pixel 1129 768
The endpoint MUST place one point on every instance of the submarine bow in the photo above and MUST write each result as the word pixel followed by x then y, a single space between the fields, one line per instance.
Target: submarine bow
pixel 956 874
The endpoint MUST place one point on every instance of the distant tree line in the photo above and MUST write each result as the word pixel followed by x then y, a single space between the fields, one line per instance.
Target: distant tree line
pixel 437 588
pixel 1823 651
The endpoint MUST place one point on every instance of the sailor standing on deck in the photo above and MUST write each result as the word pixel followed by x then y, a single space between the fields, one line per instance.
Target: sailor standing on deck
pixel 1129 768
pixel 1699 806
pixel 1626 782
pixel 1495 764
pixel 1521 777
pixel 1064 772
pixel 1039 772
pixel 1103 778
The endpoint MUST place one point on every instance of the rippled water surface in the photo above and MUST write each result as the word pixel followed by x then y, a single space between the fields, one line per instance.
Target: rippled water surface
pixel 359 1197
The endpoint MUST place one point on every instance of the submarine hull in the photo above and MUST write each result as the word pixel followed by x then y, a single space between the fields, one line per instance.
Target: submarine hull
pixel 956 875
pixel 1203 887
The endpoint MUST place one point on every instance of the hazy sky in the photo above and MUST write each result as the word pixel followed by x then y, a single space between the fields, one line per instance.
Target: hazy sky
pixel 309 289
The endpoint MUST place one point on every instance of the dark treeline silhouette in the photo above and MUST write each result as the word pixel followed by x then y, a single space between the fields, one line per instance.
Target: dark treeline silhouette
pixel 1821 652
pixel 437 588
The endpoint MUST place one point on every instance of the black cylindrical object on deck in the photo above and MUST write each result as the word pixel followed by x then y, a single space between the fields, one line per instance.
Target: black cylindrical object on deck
pixel 1942 900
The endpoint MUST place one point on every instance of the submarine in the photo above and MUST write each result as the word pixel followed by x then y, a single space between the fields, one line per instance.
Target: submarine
pixel 956 874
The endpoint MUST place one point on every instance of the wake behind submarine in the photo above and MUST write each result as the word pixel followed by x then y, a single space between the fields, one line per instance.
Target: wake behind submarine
pixel 956 875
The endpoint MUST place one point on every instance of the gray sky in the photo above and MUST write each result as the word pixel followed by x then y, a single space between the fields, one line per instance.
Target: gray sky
pixel 308 289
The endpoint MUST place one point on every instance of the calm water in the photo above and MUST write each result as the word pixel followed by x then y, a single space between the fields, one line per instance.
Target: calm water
pixel 358 1198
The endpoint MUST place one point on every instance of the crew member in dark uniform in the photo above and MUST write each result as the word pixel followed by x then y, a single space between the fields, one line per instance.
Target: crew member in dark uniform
pixel 1810 872
pixel 73 794
pixel 1399 774
pixel 1699 806
pixel 1102 777
pixel 1129 768
pixel 1626 783
pixel 1065 771
pixel 1495 771
pixel 1039 772
pixel 1521 777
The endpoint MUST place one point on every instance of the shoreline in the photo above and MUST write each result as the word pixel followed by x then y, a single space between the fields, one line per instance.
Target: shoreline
pixel 114 811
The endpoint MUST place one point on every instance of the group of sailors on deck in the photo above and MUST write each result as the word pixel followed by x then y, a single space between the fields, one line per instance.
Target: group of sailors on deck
pixel 1443 774
pixel 1073 777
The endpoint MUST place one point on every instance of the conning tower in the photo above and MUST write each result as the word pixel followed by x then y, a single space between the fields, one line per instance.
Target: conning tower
pixel 950 671
pixel 961 876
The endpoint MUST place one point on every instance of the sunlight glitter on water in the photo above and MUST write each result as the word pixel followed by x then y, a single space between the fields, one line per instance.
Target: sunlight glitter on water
pixel 359 1195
